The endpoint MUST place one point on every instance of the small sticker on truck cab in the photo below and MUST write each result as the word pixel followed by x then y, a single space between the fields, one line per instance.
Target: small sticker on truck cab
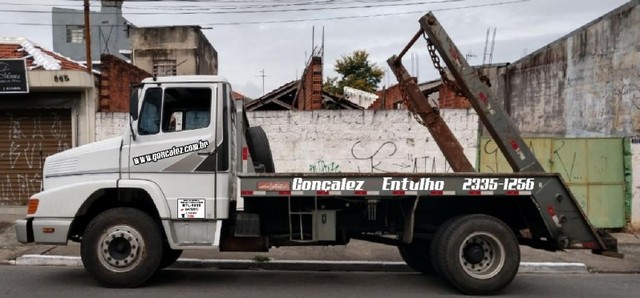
pixel 191 208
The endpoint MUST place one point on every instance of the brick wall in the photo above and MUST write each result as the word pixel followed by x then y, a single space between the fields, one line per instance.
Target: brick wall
pixel 115 83
pixel 360 141
pixel 449 100
pixel 310 97
pixel 387 98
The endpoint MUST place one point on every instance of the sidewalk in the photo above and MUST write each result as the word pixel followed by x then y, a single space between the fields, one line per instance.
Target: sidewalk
pixel 358 255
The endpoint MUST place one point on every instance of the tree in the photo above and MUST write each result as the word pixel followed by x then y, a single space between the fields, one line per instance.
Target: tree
pixel 357 72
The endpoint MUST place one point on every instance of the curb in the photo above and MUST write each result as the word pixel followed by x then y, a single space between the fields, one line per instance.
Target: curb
pixel 13 210
pixel 42 260
pixel 368 266
pixel 552 267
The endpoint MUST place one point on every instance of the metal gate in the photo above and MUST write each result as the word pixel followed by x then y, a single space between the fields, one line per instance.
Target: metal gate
pixel 27 136
pixel 592 167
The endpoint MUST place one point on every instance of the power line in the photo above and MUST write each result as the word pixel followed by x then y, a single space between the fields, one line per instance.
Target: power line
pixel 209 12
pixel 303 20
pixel 180 6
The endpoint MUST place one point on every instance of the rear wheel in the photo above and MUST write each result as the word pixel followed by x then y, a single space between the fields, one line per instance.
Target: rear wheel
pixel 416 255
pixel 477 254
pixel 121 247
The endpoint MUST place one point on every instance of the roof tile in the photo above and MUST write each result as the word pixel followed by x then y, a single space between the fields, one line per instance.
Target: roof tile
pixel 13 50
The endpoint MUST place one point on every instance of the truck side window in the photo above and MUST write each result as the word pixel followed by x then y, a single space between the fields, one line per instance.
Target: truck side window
pixel 186 109
pixel 149 122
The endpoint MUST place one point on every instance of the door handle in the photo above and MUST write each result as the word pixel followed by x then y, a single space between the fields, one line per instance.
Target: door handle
pixel 208 152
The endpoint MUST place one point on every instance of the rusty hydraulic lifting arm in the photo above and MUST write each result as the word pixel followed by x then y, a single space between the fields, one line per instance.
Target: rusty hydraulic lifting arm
pixel 469 84
pixel 429 116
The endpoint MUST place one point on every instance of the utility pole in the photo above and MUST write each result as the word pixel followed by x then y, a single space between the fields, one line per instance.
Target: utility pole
pixel 87 36
pixel 263 76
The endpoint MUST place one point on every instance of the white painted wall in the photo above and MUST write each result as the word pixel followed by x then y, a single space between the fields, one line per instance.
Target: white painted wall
pixel 635 191
pixel 357 141
pixel 110 124
pixel 363 141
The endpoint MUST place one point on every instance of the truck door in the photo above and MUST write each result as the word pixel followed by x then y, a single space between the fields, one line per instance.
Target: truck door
pixel 176 136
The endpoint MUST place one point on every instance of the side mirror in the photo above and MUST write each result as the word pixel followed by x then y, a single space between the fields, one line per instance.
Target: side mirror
pixel 133 103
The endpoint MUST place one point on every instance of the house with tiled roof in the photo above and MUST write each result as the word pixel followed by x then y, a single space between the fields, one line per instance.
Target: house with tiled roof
pixel 48 105
pixel 305 94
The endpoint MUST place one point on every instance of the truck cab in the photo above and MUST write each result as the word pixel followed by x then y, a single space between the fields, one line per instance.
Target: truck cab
pixel 176 161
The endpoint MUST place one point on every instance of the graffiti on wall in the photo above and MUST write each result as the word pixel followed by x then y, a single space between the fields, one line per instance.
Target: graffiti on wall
pixel 386 158
pixel 564 157
pixel 373 158
pixel 566 166
pixel 322 166
pixel 29 142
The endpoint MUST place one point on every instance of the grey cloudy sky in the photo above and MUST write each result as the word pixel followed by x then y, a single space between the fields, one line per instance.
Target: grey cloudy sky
pixel 249 36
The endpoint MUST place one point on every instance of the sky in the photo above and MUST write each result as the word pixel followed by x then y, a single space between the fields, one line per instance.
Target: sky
pixel 275 36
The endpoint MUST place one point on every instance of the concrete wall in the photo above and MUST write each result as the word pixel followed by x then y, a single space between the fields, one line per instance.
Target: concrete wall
pixel 185 44
pixel 345 140
pixel 365 141
pixel 586 84
pixel 110 124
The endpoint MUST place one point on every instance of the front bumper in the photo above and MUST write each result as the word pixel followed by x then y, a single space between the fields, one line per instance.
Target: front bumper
pixel 43 230
pixel 24 230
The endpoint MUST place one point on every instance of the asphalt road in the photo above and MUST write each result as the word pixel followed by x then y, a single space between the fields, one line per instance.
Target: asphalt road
pixel 26 281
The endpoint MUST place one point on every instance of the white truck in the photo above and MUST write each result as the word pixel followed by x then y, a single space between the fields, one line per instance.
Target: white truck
pixel 189 173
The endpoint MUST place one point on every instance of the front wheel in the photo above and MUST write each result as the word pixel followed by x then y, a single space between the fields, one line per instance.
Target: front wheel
pixel 478 254
pixel 121 247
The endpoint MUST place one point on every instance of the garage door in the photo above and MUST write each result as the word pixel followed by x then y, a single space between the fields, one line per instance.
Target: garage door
pixel 26 138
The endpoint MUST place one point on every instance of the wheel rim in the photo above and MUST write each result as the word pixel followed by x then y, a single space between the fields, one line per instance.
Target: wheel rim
pixel 482 255
pixel 121 248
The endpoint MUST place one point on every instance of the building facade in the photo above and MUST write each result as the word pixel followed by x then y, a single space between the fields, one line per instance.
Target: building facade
pixel 173 50
pixel 109 32
pixel 48 105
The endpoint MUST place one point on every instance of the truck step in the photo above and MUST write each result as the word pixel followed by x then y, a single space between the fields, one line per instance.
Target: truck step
pixel 247 225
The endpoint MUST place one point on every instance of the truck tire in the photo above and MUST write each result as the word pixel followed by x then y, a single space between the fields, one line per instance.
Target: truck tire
pixel 169 256
pixel 478 254
pixel 260 150
pixel 121 247
pixel 416 255
pixel 437 238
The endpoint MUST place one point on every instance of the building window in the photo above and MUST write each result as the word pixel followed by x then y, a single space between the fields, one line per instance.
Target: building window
pixel 75 33
pixel 183 109
pixel 164 67
pixel 399 105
